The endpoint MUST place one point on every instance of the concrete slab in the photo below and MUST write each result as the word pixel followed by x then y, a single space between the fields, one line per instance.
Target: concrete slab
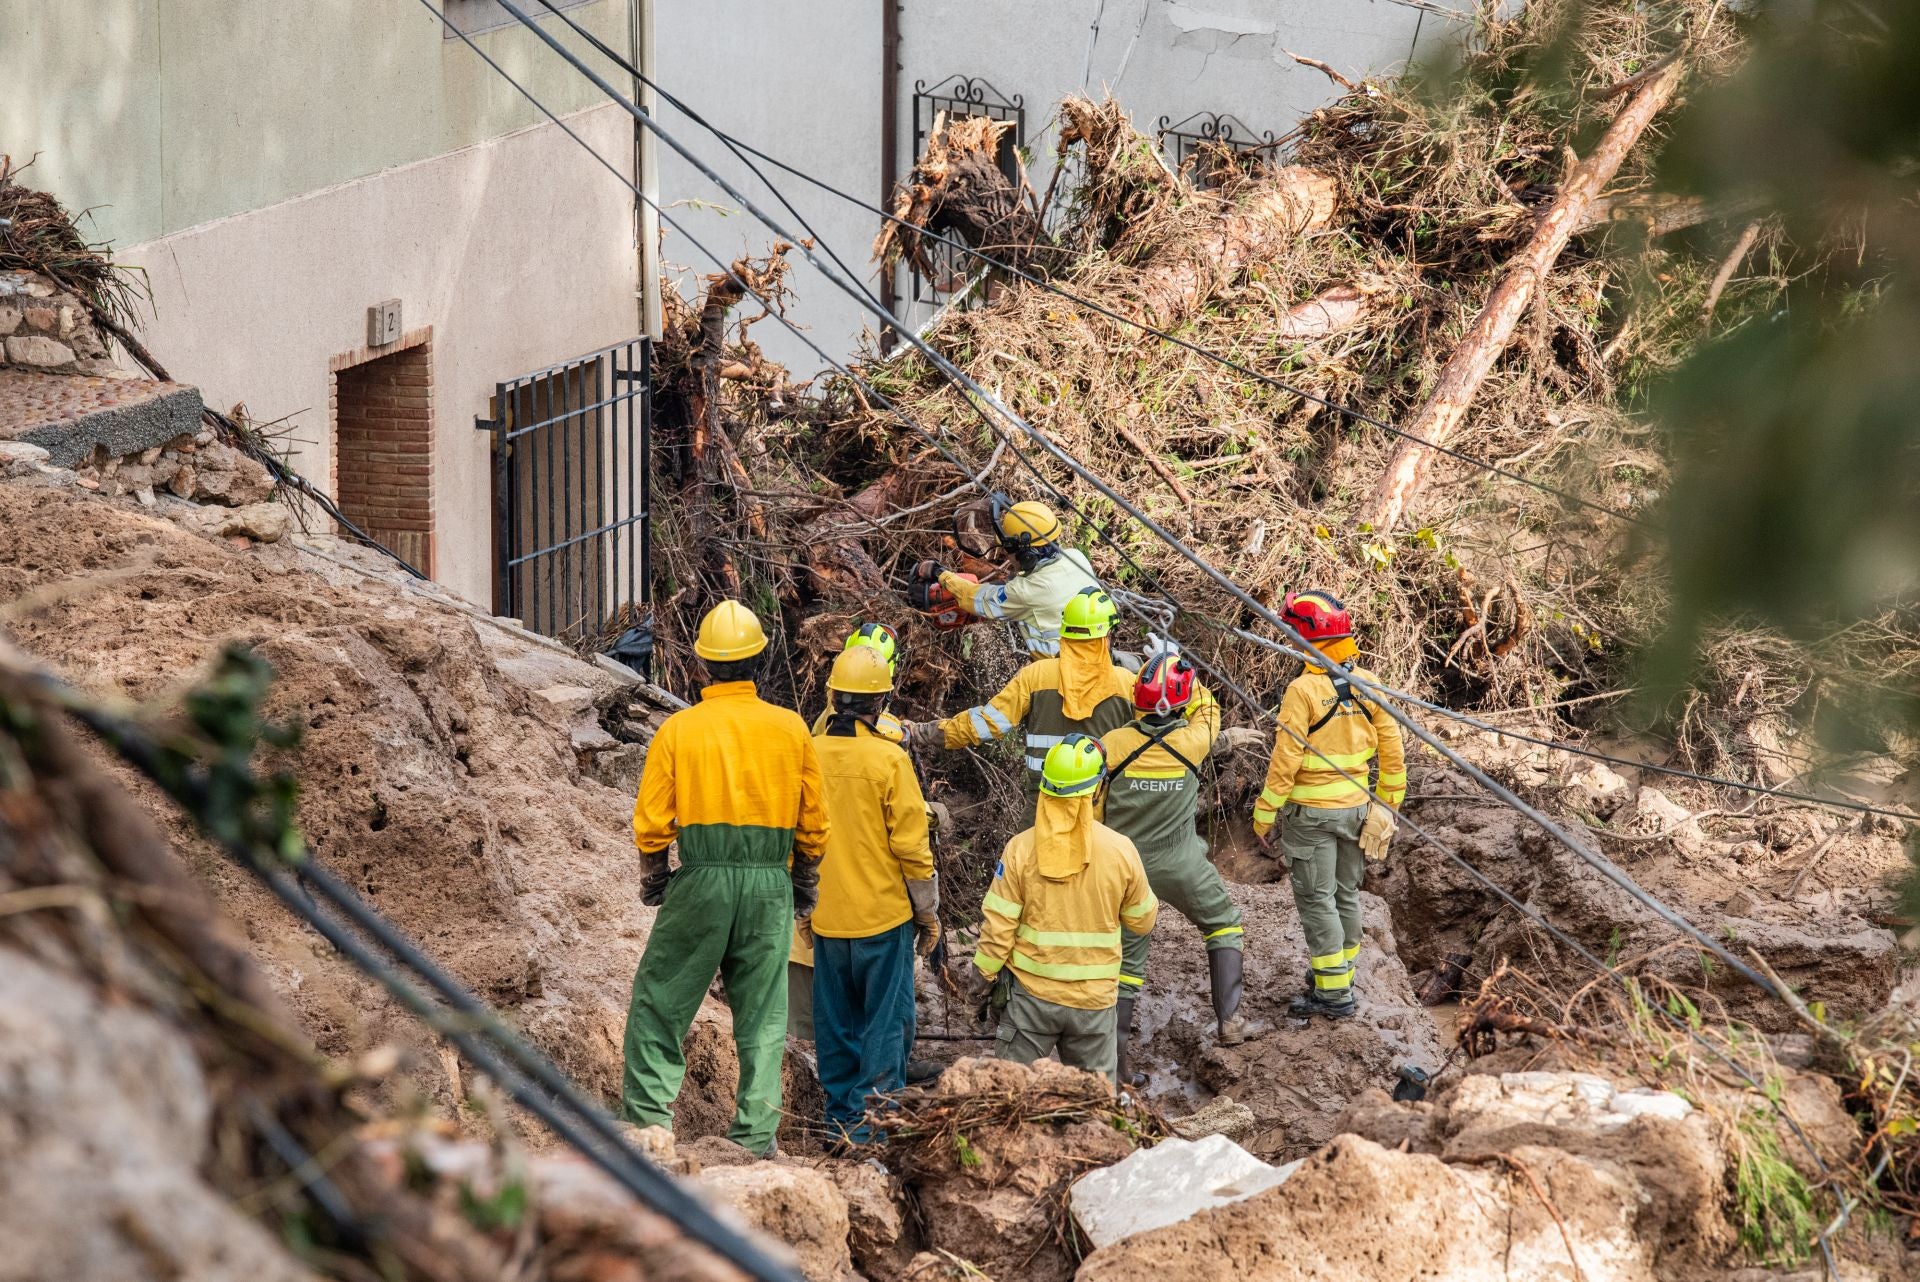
pixel 1173 1181
pixel 70 414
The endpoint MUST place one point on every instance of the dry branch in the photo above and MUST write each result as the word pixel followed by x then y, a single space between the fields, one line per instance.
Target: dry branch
pixel 1289 203
pixel 1470 363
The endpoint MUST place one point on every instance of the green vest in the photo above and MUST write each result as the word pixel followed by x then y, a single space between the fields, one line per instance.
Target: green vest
pixel 1155 806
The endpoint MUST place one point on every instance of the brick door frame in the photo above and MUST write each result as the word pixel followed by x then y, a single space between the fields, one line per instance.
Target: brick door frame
pixel 422 445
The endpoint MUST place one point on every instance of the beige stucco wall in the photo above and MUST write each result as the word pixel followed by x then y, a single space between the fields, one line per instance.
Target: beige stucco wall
pixel 518 252
pixel 165 114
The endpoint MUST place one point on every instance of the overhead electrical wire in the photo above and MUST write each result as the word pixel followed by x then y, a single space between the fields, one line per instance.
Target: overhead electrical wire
pixel 738 146
pixel 1174 604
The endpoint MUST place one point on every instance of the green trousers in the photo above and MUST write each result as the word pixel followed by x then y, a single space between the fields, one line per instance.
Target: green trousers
pixel 1193 886
pixel 736 921
pixel 1323 854
pixel 1031 1029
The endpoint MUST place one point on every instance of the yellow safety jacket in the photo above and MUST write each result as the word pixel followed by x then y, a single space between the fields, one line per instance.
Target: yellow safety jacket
pixel 1062 937
pixel 1033 701
pixel 1345 734
pixel 1034 599
pixel 878 842
pixel 736 780
pixel 888 727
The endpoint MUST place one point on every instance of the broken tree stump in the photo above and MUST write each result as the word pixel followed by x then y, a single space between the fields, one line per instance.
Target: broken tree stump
pixel 1460 378
pixel 1288 204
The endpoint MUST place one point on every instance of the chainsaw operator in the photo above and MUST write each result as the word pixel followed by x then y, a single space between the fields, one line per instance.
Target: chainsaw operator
pixel 1034 598
pixel 1316 795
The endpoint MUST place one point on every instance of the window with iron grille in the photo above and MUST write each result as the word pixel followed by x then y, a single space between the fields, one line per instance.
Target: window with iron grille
pixel 952 272
pixel 1209 145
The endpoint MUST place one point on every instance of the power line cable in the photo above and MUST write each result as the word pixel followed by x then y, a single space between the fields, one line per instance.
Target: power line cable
pixel 737 146
pixel 1594 859
pixel 1173 604
pixel 1579 750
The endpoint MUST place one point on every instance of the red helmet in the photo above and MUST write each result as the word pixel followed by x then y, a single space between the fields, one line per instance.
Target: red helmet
pixel 1318 616
pixel 1165 685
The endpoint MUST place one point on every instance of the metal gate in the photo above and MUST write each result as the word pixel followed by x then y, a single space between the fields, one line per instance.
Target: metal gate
pixel 573 547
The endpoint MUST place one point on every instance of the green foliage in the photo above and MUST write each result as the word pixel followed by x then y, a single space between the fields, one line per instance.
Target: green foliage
pixel 963 1149
pixel 502 1209
pixel 1773 1206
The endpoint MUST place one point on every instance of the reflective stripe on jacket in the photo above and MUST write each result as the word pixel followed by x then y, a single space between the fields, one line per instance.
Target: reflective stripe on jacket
pixel 1034 599
pixel 1062 938
pixel 877 838
pixel 1348 741
pixel 1152 801
pixel 736 780
pixel 1032 700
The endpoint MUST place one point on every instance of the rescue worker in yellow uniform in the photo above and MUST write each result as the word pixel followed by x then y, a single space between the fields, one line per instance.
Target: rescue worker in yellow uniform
pixel 1064 893
pixel 882 641
pixel 736 783
pixel 1082 691
pixel 879 900
pixel 1153 790
pixel 1033 600
pixel 1328 826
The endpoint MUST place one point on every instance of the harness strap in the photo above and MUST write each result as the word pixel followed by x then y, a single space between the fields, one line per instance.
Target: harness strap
pixel 1151 740
pixel 1342 693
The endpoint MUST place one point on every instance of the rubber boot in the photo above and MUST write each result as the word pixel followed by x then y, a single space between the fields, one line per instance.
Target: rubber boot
pixel 1123 1073
pixel 1224 974
pixel 923 1070
pixel 1311 1003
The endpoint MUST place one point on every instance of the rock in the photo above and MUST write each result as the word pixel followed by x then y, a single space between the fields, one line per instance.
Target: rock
pixel 144 496
pixel 266 522
pixel 928 1267
pixel 9 319
pixel 21 452
pixel 616 668
pixel 109 1123
pixel 182 481
pixel 224 475
pixel 794 1205
pixel 150 455
pixel 39 351
pixel 1656 813
pixel 715 1150
pixel 619 767
pixel 1595 789
pixel 879 1236
pixel 569 700
pixel 589 737
pixel 1220 1117
pixel 1170 1182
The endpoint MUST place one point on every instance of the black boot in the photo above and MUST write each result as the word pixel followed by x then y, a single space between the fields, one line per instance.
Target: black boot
pixel 1123 1075
pixel 1311 1003
pixel 1224 973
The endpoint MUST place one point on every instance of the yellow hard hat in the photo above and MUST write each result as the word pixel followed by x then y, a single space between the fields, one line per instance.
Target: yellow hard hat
pixel 860 670
pixel 1074 767
pixel 730 632
pixel 877 637
pixel 1030 524
pixel 1088 615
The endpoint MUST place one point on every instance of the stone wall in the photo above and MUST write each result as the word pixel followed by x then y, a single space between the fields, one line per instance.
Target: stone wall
pixel 46 329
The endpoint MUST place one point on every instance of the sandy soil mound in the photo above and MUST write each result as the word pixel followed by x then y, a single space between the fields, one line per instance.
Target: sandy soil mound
pixel 446 791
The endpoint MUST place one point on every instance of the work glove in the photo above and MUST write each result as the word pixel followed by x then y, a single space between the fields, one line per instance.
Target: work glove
pixel 973 985
pixel 1377 833
pixel 925 896
pixel 926 734
pixel 1263 838
pixel 806 887
pixel 804 926
pixel 928 571
pixel 654 876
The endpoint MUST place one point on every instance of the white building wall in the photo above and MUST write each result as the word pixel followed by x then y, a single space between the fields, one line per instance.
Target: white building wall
pixel 517 253
pixel 803 83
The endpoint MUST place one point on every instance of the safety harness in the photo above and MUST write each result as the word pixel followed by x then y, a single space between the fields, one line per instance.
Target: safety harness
pixel 1342 693
pixel 1154 737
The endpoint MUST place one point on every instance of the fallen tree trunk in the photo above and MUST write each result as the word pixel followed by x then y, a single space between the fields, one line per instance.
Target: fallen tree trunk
pixel 1292 202
pixel 1467 368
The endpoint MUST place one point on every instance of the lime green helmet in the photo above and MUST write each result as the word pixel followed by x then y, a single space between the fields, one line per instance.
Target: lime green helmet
pixel 878 636
pixel 1089 615
pixel 1074 767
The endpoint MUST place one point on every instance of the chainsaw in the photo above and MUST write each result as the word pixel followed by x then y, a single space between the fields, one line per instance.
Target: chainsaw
pixel 942 608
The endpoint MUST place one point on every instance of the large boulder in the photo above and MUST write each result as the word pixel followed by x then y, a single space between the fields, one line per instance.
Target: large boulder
pixel 790 1204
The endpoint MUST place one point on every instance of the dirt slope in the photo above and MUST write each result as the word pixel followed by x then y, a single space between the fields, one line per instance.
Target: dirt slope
pixel 447 791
